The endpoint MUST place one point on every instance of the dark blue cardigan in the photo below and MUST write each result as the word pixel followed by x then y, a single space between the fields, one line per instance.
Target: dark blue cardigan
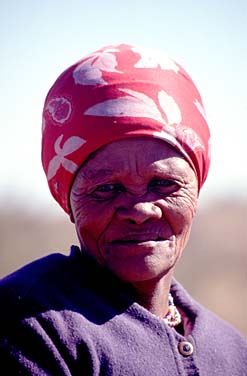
pixel 64 315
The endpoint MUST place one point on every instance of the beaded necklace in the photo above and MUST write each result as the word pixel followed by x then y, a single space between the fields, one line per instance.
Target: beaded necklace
pixel 173 317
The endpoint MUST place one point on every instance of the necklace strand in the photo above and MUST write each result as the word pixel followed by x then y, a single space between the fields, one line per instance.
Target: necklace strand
pixel 173 317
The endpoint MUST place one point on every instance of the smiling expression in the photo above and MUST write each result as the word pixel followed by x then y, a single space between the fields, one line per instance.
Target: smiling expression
pixel 133 202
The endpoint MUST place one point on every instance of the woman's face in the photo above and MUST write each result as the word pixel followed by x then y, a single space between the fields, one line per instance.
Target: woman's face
pixel 133 202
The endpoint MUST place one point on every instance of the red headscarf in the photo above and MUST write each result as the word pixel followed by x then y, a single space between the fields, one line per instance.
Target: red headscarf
pixel 114 93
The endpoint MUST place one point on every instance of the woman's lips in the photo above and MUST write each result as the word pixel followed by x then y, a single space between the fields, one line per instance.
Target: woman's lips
pixel 137 239
pixel 125 246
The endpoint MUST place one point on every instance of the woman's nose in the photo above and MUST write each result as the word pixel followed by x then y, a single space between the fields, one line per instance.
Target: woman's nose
pixel 140 212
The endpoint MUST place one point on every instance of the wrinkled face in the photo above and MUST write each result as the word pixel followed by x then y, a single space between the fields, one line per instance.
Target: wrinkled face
pixel 132 203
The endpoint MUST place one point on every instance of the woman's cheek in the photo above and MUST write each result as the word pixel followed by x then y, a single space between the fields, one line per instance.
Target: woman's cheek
pixel 179 211
pixel 93 219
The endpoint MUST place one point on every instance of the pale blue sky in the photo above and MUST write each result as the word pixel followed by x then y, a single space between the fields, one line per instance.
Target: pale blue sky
pixel 39 39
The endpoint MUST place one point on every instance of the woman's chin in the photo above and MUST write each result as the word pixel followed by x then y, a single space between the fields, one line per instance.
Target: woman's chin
pixel 141 262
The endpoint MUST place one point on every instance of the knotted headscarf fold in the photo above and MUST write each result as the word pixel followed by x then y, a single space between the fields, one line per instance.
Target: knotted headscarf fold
pixel 118 92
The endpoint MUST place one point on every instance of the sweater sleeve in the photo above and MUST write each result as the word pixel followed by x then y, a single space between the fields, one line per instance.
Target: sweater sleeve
pixel 28 345
pixel 28 350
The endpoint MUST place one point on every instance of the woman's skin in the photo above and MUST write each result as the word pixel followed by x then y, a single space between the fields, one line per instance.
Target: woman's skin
pixel 132 203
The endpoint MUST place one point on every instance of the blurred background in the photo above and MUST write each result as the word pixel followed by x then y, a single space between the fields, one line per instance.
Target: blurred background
pixel 41 39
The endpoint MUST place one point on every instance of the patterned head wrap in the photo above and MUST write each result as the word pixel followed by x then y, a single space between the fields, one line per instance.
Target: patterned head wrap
pixel 114 93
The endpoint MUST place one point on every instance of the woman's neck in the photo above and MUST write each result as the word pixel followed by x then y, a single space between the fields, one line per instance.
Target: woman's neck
pixel 153 294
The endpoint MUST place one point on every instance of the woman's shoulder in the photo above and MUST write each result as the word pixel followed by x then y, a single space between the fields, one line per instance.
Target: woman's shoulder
pixel 206 324
pixel 19 282
pixel 219 346
pixel 23 279
pixel 35 284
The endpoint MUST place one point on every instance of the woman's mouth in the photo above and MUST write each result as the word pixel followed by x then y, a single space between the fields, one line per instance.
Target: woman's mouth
pixel 136 240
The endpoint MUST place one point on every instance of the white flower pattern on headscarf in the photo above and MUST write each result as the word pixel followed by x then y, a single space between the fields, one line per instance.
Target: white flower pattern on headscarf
pixel 71 144
pixel 153 59
pixel 60 109
pixel 170 107
pixel 200 109
pixel 137 104
pixel 187 136
pixel 89 72
pixel 43 124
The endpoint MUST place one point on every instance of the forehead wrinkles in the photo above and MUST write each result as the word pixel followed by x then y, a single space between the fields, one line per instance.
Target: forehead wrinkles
pixel 93 172
pixel 132 158
pixel 103 165
pixel 132 168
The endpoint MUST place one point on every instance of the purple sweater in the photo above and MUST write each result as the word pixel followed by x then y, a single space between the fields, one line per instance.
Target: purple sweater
pixel 64 315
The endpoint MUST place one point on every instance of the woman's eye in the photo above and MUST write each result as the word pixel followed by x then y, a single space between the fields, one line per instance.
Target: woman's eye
pixel 163 185
pixel 107 191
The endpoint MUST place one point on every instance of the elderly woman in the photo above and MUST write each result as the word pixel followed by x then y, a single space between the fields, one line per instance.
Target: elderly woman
pixel 125 150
